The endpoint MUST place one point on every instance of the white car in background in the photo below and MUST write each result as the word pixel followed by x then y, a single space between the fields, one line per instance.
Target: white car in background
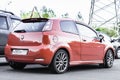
pixel 114 42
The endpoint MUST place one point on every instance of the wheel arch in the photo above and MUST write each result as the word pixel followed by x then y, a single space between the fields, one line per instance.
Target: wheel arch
pixel 105 63
pixel 113 52
pixel 68 53
pixel 62 48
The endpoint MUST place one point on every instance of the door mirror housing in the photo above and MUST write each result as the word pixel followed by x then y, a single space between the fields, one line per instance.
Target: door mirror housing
pixel 101 37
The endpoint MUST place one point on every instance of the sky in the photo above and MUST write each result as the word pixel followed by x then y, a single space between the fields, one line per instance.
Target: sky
pixel 58 6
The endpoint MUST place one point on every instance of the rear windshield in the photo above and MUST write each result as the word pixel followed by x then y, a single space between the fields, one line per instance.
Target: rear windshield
pixel 31 26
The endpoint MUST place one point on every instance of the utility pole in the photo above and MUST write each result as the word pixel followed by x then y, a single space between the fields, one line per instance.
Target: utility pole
pixel 104 13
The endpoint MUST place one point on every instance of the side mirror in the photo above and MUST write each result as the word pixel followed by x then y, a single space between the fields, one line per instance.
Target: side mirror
pixel 101 37
pixel 113 40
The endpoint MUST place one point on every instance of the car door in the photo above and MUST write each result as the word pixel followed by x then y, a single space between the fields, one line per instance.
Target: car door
pixel 92 48
pixel 71 36
pixel 3 33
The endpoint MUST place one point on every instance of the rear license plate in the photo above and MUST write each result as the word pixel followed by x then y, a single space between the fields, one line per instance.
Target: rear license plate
pixel 19 52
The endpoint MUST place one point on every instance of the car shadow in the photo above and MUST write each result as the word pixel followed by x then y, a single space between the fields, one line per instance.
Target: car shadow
pixel 3 64
pixel 84 68
pixel 32 69
pixel 37 70
pixel 46 70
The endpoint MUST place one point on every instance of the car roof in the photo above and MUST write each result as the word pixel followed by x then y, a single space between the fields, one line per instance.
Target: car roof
pixel 8 13
pixel 46 19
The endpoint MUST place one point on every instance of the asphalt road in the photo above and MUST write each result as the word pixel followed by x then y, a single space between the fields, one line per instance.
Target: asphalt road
pixel 82 72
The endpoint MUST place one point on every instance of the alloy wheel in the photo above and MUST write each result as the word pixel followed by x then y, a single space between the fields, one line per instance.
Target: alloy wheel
pixel 60 62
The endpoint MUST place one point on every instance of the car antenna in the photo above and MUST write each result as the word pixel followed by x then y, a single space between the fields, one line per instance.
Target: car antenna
pixel 35 8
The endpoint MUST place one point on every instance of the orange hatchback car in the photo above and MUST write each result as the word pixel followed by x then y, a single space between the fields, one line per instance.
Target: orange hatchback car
pixel 58 44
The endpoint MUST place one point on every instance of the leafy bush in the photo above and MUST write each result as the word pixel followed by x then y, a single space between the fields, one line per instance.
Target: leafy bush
pixel 110 32
pixel 44 13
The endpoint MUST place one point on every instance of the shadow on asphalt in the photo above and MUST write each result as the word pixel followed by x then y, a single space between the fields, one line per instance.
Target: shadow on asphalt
pixel 3 63
pixel 33 70
pixel 84 68
pixel 45 70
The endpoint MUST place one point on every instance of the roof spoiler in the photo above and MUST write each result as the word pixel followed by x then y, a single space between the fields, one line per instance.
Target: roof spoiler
pixel 35 20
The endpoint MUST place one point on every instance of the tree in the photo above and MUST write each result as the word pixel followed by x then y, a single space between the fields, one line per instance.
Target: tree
pixel 25 15
pixel 79 16
pixel 110 32
pixel 66 15
pixel 47 12
pixel 44 13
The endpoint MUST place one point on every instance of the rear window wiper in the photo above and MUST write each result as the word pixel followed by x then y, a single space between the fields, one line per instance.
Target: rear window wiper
pixel 20 31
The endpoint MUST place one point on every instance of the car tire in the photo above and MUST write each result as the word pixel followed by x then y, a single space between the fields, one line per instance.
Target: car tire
pixel 108 59
pixel 60 62
pixel 17 65
pixel 117 53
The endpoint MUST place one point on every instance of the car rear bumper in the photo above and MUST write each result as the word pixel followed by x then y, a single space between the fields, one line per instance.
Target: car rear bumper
pixel 35 54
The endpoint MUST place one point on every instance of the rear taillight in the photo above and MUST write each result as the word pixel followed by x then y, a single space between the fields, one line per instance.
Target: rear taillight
pixel 45 39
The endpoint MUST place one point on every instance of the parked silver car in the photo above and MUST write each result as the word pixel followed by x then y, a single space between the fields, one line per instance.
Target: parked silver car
pixel 8 22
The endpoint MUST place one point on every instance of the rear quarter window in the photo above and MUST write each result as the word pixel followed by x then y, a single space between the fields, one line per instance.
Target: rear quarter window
pixel 68 26
pixel 15 22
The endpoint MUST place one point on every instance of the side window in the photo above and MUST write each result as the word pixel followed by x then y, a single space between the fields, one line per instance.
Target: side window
pixel 15 22
pixel 85 31
pixel 68 26
pixel 3 23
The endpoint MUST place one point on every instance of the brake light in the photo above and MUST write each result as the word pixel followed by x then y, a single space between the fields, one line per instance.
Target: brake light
pixel 45 39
